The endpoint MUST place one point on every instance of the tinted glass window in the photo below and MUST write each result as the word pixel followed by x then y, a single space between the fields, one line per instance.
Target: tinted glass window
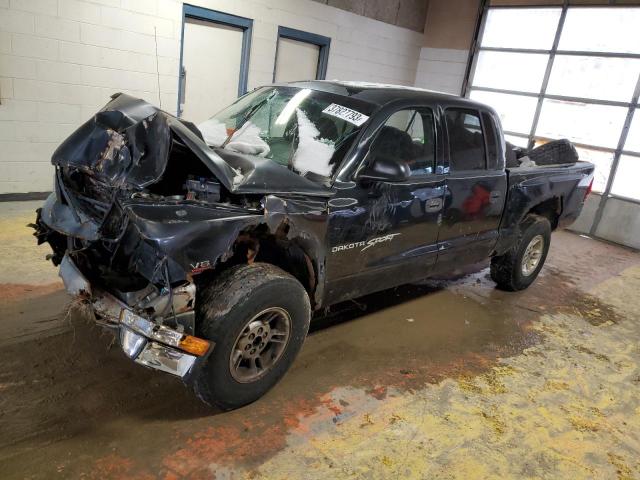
pixel 408 136
pixel 466 144
pixel 492 140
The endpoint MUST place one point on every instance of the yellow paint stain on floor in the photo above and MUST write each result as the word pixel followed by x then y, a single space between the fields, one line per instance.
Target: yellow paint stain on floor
pixel 548 413
pixel 22 260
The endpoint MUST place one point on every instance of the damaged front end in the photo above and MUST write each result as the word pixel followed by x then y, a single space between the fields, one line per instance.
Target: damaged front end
pixel 143 210
pixel 147 342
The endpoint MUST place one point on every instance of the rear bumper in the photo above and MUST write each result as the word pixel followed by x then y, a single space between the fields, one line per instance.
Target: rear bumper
pixel 144 341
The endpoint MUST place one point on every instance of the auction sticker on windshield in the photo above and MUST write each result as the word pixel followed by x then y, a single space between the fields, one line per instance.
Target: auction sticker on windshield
pixel 346 114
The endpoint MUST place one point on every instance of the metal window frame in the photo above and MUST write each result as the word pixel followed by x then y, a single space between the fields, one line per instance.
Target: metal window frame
pixel 307 37
pixel 542 95
pixel 220 18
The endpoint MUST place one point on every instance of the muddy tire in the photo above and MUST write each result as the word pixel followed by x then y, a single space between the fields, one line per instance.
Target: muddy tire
pixel 258 316
pixel 519 267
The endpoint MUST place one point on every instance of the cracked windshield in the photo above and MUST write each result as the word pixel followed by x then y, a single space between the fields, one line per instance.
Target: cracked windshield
pixel 305 130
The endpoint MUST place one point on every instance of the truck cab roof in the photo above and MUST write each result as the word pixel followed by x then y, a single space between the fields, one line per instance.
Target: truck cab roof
pixel 381 94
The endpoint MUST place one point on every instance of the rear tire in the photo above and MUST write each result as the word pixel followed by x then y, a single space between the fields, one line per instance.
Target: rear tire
pixel 233 308
pixel 519 267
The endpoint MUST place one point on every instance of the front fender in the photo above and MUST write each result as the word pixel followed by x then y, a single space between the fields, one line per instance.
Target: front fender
pixel 195 237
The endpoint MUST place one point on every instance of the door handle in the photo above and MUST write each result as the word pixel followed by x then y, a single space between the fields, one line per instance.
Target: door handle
pixel 433 205
pixel 494 196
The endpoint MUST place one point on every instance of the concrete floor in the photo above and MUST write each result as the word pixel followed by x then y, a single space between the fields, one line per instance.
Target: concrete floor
pixel 450 379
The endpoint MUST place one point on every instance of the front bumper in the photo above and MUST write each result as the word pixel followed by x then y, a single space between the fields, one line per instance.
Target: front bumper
pixel 144 341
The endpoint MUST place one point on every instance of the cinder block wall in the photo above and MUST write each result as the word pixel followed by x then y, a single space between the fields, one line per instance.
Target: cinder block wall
pixel 60 60
pixel 403 13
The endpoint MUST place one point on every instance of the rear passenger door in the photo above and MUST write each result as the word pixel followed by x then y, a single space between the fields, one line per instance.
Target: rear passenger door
pixel 475 188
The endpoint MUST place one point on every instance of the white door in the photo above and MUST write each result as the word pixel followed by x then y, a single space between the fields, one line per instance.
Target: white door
pixel 211 59
pixel 296 60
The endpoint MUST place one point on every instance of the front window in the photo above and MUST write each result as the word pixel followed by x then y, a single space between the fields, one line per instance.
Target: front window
pixel 408 136
pixel 305 130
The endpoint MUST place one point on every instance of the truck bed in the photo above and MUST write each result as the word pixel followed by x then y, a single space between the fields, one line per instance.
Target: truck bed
pixel 568 173
pixel 563 187
pixel 562 167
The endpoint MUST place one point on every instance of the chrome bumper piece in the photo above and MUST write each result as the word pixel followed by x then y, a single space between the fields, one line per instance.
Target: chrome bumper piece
pixel 166 359
pixel 142 340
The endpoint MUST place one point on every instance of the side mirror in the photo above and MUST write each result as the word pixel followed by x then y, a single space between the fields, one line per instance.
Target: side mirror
pixel 386 170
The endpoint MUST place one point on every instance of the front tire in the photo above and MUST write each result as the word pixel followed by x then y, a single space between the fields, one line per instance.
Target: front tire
pixel 258 316
pixel 519 267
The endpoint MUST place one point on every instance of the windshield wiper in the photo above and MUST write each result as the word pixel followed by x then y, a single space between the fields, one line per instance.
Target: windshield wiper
pixel 248 114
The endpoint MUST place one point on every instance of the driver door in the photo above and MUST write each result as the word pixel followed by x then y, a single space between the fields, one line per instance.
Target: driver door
pixel 384 232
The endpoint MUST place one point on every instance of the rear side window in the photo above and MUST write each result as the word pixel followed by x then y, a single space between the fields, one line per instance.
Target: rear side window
pixel 492 140
pixel 466 142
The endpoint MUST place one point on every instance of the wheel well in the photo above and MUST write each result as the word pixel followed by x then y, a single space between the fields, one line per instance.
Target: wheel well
pixel 261 245
pixel 549 209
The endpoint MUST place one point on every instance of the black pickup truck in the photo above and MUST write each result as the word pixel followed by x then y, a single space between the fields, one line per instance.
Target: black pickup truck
pixel 207 248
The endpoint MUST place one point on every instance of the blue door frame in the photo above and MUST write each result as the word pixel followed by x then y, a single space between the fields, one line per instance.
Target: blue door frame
pixel 301 36
pixel 213 16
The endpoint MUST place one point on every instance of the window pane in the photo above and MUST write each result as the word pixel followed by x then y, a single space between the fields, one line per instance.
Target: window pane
pixel 510 71
pixel 633 137
pixel 521 28
pixel 581 122
pixel 594 77
pixel 466 145
pixel 601 30
pixel 515 111
pixel 517 141
pixel 626 182
pixel 408 136
pixel 602 161
pixel 425 164
pixel 492 140
pixel 416 129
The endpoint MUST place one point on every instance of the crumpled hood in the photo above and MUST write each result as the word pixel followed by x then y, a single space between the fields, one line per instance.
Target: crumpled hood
pixel 127 144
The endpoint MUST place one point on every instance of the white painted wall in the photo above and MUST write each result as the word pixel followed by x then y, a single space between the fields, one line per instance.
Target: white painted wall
pixel 60 60
pixel 441 69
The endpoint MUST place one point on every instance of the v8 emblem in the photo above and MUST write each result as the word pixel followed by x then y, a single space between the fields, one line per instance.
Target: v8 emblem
pixel 200 266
